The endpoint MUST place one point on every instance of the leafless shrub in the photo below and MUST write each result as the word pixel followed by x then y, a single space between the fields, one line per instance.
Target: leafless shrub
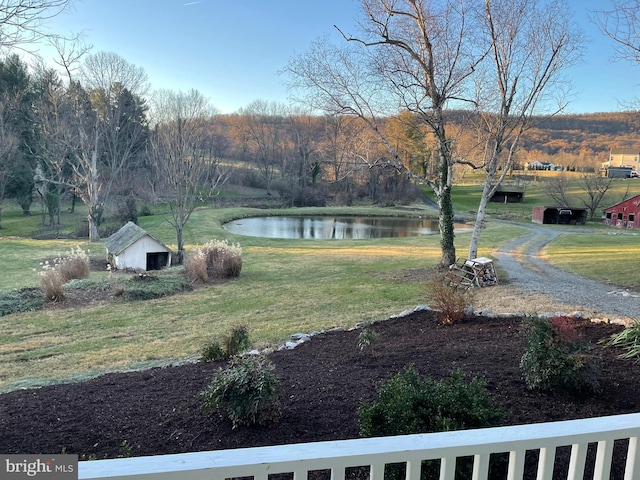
pixel 449 299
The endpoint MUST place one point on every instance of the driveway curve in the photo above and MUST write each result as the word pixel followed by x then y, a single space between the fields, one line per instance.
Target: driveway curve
pixel 520 259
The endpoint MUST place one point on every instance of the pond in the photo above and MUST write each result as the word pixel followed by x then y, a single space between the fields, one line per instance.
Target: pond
pixel 339 228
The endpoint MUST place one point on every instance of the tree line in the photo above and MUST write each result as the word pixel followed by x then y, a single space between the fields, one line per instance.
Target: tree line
pixel 421 91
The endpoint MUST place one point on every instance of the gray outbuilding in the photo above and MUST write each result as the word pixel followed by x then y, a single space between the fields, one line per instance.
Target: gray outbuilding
pixel 134 248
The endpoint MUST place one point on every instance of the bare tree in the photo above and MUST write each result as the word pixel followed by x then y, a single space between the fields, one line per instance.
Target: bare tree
pixel 415 55
pixel 110 126
pixel 185 166
pixel 22 21
pixel 557 188
pixel 264 129
pixel 595 186
pixel 621 23
pixel 531 43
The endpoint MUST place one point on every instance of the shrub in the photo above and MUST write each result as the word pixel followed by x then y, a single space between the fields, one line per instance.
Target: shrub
pixel 247 392
pixel 410 404
pixel 449 299
pixel 216 260
pixel 555 362
pixel 229 346
pixel 213 351
pixel 628 339
pixel 367 338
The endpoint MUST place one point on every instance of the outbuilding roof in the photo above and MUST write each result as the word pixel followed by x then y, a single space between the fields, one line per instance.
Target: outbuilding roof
pixel 125 237
pixel 633 199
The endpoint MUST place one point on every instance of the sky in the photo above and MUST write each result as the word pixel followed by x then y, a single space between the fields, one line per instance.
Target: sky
pixel 232 51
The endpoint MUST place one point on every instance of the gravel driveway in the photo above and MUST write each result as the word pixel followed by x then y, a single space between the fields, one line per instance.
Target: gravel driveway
pixel 519 258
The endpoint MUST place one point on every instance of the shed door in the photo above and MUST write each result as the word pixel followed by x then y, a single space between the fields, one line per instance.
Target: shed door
pixel 157 260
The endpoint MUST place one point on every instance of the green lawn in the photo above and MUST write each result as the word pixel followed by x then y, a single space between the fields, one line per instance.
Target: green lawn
pixel 285 286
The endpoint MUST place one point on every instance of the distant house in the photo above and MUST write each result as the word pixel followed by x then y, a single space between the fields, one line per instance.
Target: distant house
pixel 622 163
pixel 537 165
pixel 132 247
pixel 559 215
pixel 624 214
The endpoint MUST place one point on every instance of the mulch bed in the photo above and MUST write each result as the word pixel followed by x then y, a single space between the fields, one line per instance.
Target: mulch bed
pixel 157 411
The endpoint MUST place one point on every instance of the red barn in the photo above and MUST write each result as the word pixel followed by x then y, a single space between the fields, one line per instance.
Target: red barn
pixel 624 214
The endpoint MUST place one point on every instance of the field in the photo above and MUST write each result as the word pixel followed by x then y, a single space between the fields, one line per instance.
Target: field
pixel 286 286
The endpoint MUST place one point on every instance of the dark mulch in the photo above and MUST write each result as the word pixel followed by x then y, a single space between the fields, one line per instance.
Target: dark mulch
pixel 158 411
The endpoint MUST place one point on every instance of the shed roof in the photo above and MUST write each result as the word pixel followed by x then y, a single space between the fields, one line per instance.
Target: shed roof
pixel 628 200
pixel 129 234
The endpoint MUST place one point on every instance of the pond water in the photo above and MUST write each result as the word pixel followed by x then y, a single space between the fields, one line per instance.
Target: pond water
pixel 339 228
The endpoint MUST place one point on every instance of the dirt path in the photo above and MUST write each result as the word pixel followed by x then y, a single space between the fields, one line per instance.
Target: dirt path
pixel 519 258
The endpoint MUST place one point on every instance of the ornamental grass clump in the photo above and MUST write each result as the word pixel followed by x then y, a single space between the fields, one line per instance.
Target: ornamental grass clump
pixel 217 259
pixel 556 359
pixel 53 276
pixel 628 339
pixel 247 392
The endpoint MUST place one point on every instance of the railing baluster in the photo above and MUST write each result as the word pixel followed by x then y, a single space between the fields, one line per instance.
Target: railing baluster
pixel 337 472
pixel 633 458
pixel 481 467
pixel 545 463
pixel 413 469
pixel 376 471
pixel 603 460
pixel 516 465
pixel 447 468
pixel 576 462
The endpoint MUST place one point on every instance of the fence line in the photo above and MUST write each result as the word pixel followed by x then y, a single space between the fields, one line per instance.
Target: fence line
pixel 299 459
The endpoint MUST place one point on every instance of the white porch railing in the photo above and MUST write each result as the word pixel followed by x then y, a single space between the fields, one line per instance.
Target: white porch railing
pixel 336 456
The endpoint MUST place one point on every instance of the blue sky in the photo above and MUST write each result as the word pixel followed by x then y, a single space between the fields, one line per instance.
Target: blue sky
pixel 232 50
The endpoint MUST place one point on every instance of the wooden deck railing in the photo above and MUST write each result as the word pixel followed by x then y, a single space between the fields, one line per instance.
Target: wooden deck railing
pixel 336 456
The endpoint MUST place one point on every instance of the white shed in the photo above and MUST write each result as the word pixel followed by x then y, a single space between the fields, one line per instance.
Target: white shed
pixel 132 247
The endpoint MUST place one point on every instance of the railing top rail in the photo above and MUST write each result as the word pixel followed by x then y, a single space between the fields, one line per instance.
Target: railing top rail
pixel 430 445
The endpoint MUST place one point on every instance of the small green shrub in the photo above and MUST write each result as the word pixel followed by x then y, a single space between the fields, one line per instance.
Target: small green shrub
pixel 247 392
pixel 410 404
pixel 449 299
pixel 556 359
pixel 367 338
pixel 237 341
pixel 228 346
pixel 213 351
pixel 628 339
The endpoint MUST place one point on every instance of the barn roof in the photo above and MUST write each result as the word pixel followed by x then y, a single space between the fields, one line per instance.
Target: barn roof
pixel 125 237
pixel 628 200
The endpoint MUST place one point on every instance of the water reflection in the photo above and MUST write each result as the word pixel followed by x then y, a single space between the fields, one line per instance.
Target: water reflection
pixel 340 228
